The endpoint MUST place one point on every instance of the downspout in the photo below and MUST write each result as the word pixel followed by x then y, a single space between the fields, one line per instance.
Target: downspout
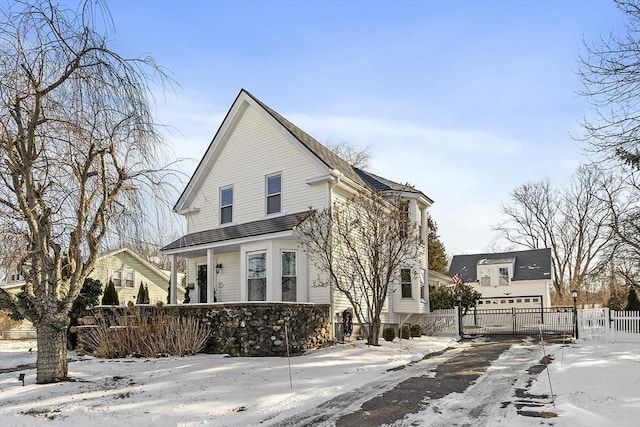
pixel 333 180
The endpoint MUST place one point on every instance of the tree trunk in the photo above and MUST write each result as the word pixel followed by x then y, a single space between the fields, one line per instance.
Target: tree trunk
pixel 52 353
pixel 374 332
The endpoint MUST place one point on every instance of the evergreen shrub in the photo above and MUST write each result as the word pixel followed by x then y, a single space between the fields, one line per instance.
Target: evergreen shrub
pixel 416 330
pixel 389 334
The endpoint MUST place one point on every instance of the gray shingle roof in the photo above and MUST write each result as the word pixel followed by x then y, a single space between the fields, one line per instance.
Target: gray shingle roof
pixel 532 264
pixel 249 229
pixel 379 183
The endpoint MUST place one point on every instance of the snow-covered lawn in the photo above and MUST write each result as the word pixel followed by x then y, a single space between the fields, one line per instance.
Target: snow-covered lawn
pixel 594 384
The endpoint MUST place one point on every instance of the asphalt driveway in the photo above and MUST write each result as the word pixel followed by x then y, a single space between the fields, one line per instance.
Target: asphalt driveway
pixel 418 387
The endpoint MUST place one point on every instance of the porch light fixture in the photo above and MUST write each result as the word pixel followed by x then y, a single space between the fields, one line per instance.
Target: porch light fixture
pixel 218 268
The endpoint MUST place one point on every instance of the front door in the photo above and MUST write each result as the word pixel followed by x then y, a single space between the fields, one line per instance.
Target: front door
pixel 202 283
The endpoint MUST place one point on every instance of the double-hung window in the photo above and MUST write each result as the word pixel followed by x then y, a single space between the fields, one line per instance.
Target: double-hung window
pixel 405 279
pixel 116 278
pixel 257 276
pixel 289 276
pixel 274 193
pixel 504 276
pixel 129 279
pixel 226 205
pixel 404 219
pixel 123 278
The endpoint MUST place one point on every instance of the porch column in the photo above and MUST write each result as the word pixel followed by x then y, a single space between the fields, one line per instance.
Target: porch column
pixel 173 288
pixel 211 275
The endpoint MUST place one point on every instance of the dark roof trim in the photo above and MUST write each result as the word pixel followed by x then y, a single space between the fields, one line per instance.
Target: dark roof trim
pixel 240 231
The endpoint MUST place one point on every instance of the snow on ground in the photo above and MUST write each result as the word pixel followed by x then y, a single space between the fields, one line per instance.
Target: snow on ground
pixel 594 383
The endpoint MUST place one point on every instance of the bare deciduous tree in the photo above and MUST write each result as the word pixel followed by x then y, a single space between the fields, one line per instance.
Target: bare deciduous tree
pixel 359 157
pixel 623 200
pixel 574 223
pixel 361 244
pixel 78 145
pixel 610 71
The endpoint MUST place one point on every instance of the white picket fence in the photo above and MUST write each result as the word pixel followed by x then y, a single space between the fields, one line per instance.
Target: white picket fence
pixel 439 322
pixel 602 324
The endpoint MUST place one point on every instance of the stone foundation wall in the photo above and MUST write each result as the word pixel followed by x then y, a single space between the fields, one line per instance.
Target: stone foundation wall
pixel 249 329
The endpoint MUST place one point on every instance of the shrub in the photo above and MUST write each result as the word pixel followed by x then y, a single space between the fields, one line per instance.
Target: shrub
pixel 110 296
pixel 148 335
pixel 405 333
pixel 633 303
pixel 389 334
pixel 416 330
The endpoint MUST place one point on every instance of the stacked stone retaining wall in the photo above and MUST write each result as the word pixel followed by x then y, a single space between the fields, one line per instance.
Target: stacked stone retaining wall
pixel 248 329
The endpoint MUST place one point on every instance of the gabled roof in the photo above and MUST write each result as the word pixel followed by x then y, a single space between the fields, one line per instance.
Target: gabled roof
pixel 249 229
pixel 534 264
pixel 138 258
pixel 319 151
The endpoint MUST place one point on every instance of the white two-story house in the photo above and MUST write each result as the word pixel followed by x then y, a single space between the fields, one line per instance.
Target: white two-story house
pixel 258 178
pixel 520 279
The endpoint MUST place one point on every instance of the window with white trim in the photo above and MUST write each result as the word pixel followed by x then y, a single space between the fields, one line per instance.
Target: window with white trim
pixel 226 205
pixel 116 278
pixel 274 193
pixel 123 278
pixel 423 282
pixel 289 279
pixel 504 276
pixel 257 276
pixel 405 279
pixel 129 279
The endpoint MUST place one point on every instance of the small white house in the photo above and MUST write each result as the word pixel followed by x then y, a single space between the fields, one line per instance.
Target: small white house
pixel 520 279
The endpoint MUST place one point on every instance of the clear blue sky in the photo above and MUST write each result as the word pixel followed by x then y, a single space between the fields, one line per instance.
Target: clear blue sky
pixel 464 99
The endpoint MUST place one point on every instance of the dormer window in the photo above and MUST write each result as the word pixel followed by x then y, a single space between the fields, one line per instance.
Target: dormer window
pixel 274 193
pixel 504 276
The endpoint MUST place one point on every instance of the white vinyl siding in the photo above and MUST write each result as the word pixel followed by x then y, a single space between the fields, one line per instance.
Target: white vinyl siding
pixel 272 149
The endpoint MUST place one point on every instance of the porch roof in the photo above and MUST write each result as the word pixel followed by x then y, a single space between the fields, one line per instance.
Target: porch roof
pixel 240 231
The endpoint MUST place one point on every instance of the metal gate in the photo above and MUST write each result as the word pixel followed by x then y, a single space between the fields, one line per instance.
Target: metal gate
pixel 519 321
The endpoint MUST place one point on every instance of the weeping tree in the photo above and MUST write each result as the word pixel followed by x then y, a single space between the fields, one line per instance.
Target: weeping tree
pixel 78 154
pixel 361 245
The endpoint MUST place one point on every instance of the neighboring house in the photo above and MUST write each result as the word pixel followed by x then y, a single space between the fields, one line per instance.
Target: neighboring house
pixel 520 279
pixel 257 179
pixel 436 279
pixel 128 270
pixel 125 268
